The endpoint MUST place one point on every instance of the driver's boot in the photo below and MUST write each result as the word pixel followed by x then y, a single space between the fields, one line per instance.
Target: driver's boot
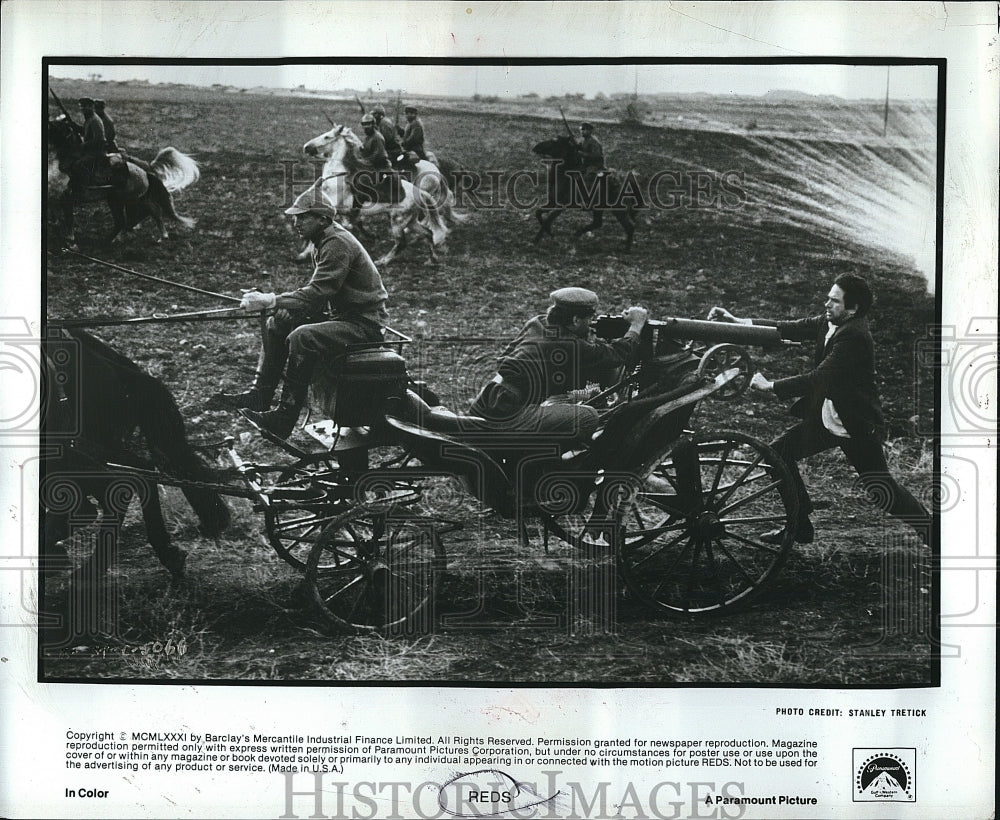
pixel 265 383
pixel 281 421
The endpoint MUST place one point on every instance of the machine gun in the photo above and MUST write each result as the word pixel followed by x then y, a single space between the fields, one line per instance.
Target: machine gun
pixel 670 347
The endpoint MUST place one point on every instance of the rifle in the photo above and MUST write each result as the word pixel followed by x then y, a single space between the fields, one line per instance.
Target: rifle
pixel 395 116
pixel 361 105
pixel 77 128
pixel 568 129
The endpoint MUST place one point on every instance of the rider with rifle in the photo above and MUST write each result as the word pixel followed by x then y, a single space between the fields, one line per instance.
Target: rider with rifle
pixel 93 159
pixel 110 145
pixel 385 127
pixel 412 137
pixel 591 151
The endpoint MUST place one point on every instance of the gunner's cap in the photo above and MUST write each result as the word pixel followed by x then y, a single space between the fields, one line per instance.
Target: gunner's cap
pixel 368 119
pixel 586 126
pixel 312 200
pixel 575 298
pixel 410 110
pixel 86 101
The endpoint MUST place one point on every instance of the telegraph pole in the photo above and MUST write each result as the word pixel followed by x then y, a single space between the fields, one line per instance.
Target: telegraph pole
pixel 885 111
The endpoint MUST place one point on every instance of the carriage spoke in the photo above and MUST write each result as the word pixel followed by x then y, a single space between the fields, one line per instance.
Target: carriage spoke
pixel 748 498
pixel 754 519
pixel 721 469
pixel 643 541
pixel 739 481
pixel 735 561
pixel 760 545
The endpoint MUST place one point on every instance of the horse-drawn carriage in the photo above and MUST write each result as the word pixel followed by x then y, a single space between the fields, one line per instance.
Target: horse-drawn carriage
pixel 679 512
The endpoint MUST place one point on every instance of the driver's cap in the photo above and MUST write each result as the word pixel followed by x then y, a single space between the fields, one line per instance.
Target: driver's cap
pixel 574 298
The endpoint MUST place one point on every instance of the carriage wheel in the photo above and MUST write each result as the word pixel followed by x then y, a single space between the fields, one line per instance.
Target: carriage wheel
pixel 579 508
pixel 690 538
pixel 375 568
pixel 721 358
pixel 306 497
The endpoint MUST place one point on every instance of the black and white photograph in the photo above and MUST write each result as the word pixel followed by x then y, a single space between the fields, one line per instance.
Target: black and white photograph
pixel 577 410
pixel 455 369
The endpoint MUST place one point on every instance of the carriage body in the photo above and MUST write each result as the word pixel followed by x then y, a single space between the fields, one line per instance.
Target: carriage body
pixel 680 511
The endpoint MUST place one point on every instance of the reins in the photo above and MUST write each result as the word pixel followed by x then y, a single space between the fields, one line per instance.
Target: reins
pixel 152 278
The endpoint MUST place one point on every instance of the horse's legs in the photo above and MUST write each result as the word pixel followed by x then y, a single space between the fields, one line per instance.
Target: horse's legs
pixel 427 233
pixel 627 220
pixel 170 556
pixel 67 222
pixel 156 212
pixel 545 219
pixel 596 220
pixel 399 237
pixel 117 207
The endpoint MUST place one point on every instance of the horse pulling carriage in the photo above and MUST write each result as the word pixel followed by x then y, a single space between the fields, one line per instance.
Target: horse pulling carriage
pixel 679 512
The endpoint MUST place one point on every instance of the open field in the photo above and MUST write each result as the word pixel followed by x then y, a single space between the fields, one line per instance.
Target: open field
pixel 854 607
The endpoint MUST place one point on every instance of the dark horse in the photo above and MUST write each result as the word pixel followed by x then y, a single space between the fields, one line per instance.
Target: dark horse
pixel 134 188
pixel 95 402
pixel 568 186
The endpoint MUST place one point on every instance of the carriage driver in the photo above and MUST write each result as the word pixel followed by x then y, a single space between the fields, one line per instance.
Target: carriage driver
pixel 554 354
pixel 346 282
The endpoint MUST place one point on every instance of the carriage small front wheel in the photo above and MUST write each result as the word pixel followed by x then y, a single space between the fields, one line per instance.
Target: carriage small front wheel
pixel 375 568
pixel 689 538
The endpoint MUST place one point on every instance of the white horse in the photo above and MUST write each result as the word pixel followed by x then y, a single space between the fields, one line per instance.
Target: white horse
pixel 415 212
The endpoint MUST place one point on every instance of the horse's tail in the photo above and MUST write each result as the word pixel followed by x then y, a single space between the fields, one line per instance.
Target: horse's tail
pixel 175 169
pixel 161 196
pixel 162 425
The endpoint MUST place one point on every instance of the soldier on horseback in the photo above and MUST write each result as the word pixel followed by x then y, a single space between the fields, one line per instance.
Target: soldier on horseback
pixel 377 182
pixel 91 165
pixel 591 151
pixel 413 135
pixel 385 127
pixel 110 145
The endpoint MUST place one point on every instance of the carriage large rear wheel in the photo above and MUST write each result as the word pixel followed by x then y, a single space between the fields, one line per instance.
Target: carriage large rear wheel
pixel 375 568
pixel 689 539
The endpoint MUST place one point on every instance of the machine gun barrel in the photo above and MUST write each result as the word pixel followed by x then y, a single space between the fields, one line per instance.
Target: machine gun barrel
pixel 718 332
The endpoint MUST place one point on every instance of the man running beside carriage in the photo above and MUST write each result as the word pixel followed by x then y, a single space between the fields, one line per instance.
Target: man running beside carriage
pixel 298 336
pixel 838 404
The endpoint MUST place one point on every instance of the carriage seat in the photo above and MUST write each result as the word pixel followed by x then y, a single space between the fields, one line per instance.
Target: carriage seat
pixel 358 385
pixel 442 420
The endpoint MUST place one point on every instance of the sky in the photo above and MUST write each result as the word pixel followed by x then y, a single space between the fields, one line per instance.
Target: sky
pixel 849 82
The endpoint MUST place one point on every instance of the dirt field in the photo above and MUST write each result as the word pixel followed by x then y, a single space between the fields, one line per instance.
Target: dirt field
pixel 852 608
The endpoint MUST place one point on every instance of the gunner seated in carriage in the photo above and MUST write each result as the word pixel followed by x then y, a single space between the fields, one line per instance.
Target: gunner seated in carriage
pixel 298 336
pixel 554 355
